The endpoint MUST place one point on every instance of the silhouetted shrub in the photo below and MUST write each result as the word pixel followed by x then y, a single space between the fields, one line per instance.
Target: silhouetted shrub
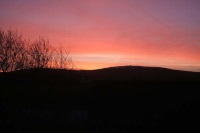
pixel 16 53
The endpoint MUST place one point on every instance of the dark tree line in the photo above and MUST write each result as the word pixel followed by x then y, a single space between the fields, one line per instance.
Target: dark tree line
pixel 16 53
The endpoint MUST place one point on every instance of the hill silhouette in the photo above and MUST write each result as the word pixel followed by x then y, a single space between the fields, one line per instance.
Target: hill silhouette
pixel 141 73
pixel 135 73
pixel 113 99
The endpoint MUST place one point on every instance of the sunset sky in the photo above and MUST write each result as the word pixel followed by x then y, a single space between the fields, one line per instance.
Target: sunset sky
pixel 104 33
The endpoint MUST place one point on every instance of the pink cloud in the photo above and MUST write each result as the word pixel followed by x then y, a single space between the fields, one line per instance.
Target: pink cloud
pixel 132 29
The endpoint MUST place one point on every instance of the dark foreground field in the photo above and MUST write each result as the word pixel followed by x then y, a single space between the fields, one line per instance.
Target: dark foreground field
pixel 120 99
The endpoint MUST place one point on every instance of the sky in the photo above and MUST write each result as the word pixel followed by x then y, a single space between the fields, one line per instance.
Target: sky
pixel 105 33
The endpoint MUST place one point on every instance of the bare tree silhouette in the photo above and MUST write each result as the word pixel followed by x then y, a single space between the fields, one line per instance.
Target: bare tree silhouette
pixel 40 53
pixel 11 49
pixel 17 53
pixel 62 59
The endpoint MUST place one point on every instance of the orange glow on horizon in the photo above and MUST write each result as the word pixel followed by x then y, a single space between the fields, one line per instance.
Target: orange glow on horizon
pixel 103 33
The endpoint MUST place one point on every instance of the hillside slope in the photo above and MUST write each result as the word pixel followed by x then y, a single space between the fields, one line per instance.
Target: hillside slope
pixel 113 99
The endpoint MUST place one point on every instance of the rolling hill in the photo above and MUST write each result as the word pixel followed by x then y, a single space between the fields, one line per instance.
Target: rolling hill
pixel 114 99
pixel 112 73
